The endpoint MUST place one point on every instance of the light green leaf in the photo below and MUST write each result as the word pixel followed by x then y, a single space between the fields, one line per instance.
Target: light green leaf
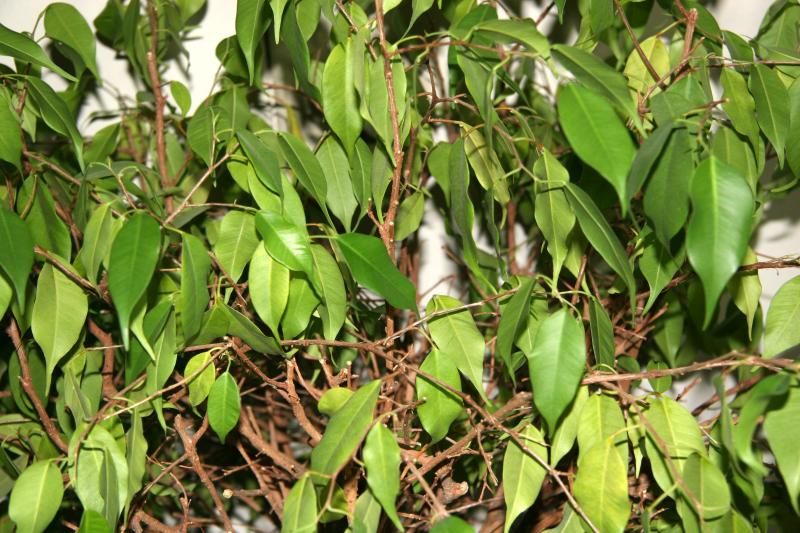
pixel 300 508
pixel 36 497
pixel 367 514
pixel 783 432
pixel 97 239
pixel 64 23
pixel 305 166
pixel 268 284
pixel 658 267
pixel 302 302
pixel 719 227
pixel 241 326
pixel 16 251
pixel 601 236
pixel 194 297
pixel 772 106
pixel 339 100
pixel 94 522
pixel 236 242
pixel 409 215
pixel 59 312
pixel 553 213
pixel 601 419
pixel 181 95
pixel 200 134
pixel 783 318
pixel 602 332
pixel 200 385
pixel 740 106
pixel 597 135
pixel 441 406
pixel 11 140
pixel 639 77
pixel 601 487
pixel 522 474
pixel 263 159
pixel 277 7
pixel 485 164
pixel 333 399
pixel 516 30
pixel 381 456
pixel 371 267
pixel 252 21
pixel 458 338
pixel 341 201
pixel 564 438
pixel 329 286
pixel 223 405
pixel 56 113
pixel 134 257
pixel 285 242
pixel 745 289
pixel 26 50
pixel 556 365
pixel 513 320
pixel 707 486
pixel 345 430
pixel 452 524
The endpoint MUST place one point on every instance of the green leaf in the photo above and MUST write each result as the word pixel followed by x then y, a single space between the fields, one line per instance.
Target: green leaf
pixel 305 166
pixel 97 239
pixel 134 257
pixel 59 312
pixel 564 437
pixel 47 228
pixel 263 159
pixel 556 365
pixel 241 326
pixel 223 405
pixel 513 320
pixel 136 448
pixel 707 485
pixel 772 106
pixel 452 524
pixel 26 50
pixel 409 215
pixel 339 100
pixel 236 242
pixel 36 497
pixel 194 296
pixel 591 71
pixel 553 213
pixel 64 23
pixel 361 174
pixel 268 284
pixel 441 406
pixel 458 338
pixel 719 227
pixel 93 522
pixel 601 236
pixel 783 432
pixel 16 251
pixel 302 302
pixel 602 333
pixel 381 456
pixel 486 165
pixel 601 487
pixel 252 21
pixel 333 399
pixel 646 156
pixel 740 106
pixel 277 7
pixel 367 514
pixel 601 420
pixel 639 77
pixel 597 135
pixel 340 198
pixel 745 289
pixel 200 134
pixel 371 267
pixel 181 95
pixel 200 386
pixel 329 286
pixel 284 241
pixel 658 267
pixel 56 114
pixel 11 140
pixel 522 474
pixel 345 430
pixel 783 317
pixel 300 508
pixel 517 30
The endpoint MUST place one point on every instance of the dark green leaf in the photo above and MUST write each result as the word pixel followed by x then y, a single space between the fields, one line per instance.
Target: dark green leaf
pixel 56 113
pixel 305 166
pixel 513 319
pixel 441 406
pixel 194 296
pixel 772 106
pixel 252 21
pixel 602 334
pixel 64 23
pixel 26 50
pixel 16 251
pixel 11 139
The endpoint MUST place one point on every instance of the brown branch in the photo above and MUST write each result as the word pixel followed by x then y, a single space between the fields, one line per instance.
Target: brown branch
pixel 249 430
pixel 159 102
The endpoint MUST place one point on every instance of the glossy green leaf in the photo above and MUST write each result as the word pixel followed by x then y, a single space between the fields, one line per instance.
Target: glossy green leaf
pixel 441 406
pixel 264 161
pixel 244 328
pixel 56 114
pixel 340 198
pixel 136 455
pixel 601 487
pixel 563 439
pixel 485 165
pixel 36 497
pixel 16 252
pixel 345 430
pixel 194 296
pixel 65 24
pixel 277 6
pixel 719 227
pixel 740 106
pixel 597 135
pixel 513 320
pixel 658 267
pixel 522 474
pixel 553 213
pixel 601 420
pixel 409 215
pixel 707 486
pixel 93 522
pixel 772 106
pixel 783 317
pixel 97 239
pixel 329 286
pixel 556 365
pixel 200 134
pixel 367 514
pixel 301 303
pixel 339 94
pixel 236 242
pixel 371 267
pixel 333 399
pixel 305 166
pixel 381 456
pixel 11 140
pixel 134 257
pixel 602 332
pixel 252 21
pixel 268 283
pixel 223 405
pixel 26 50
pixel 300 508
pixel 782 430
pixel 200 385
pixel 285 242
pixel 181 95
pixel 745 289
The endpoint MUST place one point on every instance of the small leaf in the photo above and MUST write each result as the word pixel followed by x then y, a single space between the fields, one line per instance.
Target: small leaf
pixel 441 406
pixel 719 228
pixel 601 487
pixel 371 267
pixel 513 320
pixel 745 289
pixel 16 251
pixel 783 432
pixel 194 297
pixel 300 508
pixel 236 242
pixel 11 140
pixel 367 513
pixel 285 242
pixel 658 267
pixel 740 106
pixel 26 50
pixel 134 257
pixel 783 318
pixel 277 7
pixel 381 456
pixel 268 284
pixel 64 23
pixel 93 522
pixel 553 213
pixel 340 199
pixel 252 21
pixel 522 474
pixel 409 215
pixel 772 106
pixel 556 365
pixel 199 386
pixel 639 77
pixel 36 497
pixel 345 430
pixel 223 405
pixel 263 159
pixel 181 95
pixel 305 166
pixel 602 333
pixel 339 100
pixel 97 239
pixel 200 134
pixel 333 399
pixel 329 286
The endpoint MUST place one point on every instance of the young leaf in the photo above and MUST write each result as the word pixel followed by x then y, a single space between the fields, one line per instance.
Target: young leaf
pixel 333 399
pixel 458 338
pixel 719 228
pixel 26 50
pixel 16 251
pixel 285 242
pixel 553 213
pixel 223 405
pixel 134 257
pixel 371 267
pixel 181 95
pixel 36 497
pixel 556 365
pixel 597 135
pixel 252 21
pixel 783 317
pixel 339 94
pixel 441 406
pixel 199 386
pixel 64 23
pixel 601 487
pixel 345 430
pixel 300 508
pixel 381 456
pixel 194 297
pixel 772 106
pixel 522 474
pixel 236 242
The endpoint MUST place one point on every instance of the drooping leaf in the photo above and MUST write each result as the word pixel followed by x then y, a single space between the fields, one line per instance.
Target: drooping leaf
pixel 236 242
pixel 782 332
pixel 513 319
pixel 200 385
pixel 441 406
pixel 200 134
pixel 564 437
pixel 658 267
pixel 340 198
pixel 601 486
pixel 25 49
pixel 223 405
pixel 602 333
pixel 284 241
pixel 65 24
pixel 56 114
pixel 486 165
pixel 305 166
pixel 16 251
pixel 339 100
pixel 268 283
pixel 517 30
pixel 264 161
pixel 181 95
pixel 782 430
pixel 11 140
pixel 329 286
pixel 194 296
pixel 300 508
pixel 772 106
pixel 97 240
pixel 553 213
pixel 522 474
pixel 707 486
pixel 252 21
pixel 36 497
pixel 601 419
pixel 740 106
pixel 745 289
pixel 381 456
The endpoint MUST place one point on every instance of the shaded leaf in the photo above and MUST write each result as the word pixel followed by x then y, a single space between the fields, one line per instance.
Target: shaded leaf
pixel 381 456
pixel 441 406
pixel 522 474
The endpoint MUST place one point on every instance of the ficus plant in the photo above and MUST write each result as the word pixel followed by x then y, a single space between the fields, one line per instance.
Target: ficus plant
pixel 214 311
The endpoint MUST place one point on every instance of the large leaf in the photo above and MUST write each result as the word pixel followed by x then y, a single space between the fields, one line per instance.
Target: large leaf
pixel 381 456
pixel 553 213
pixel 305 166
pixel 441 407
pixel 345 430
pixel 223 405
pixel 339 94
pixel 285 242
pixel 134 256
pixel 783 434
pixel 457 338
pixel 194 296
pixel 16 251
pixel 783 318
pixel 252 21
pixel 59 312
pixel 56 114
pixel 601 486
pixel 556 365
pixel 64 23
pixel 36 497
pixel 371 267
pixel 236 242
pixel 300 508
pixel 601 236
pixel 268 283
pixel 22 47
pixel 706 484
pixel 719 227
pixel 522 474
pixel 597 135
pixel 772 106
